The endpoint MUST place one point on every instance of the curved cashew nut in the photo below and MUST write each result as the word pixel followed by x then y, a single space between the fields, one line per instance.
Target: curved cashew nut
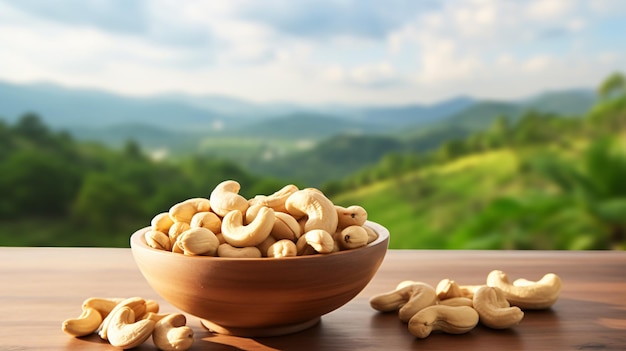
pixel 162 222
pixel 285 227
pixel 352 237
pixel 319 210
pixel 282 248
pixel 104 305
pixel 351 215
pixel 239 235
pixel 198 241
pixel 137 304
pixel 184 211
pixel 537 295
pixel 158 240
pixel 125 332
pixel 320 240
pixel 227 250
pixel 448 319
pixel 276 201
pixel 171 333
pixel 371 234
pixel 409 298
pixel 87 323
pixel 208 220
pixel 494 310
pixel 225 198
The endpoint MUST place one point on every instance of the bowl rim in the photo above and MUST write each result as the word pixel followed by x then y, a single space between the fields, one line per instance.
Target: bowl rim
pixel 138 242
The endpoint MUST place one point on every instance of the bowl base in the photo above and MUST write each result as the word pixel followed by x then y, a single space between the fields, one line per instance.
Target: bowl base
pixel 259 332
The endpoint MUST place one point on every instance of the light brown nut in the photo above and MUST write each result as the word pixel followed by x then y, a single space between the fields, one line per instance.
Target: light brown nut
pixel 318 209
pixel 285 227
pixel 227 250
pixel 177 229
pixel 184 211
pixel 448 288
pixel 137 304
pixel 198 241
pixel 251 213
pixel 371 234
pixel 536 295
pixel 448 319
pixel 282 248
pixel 320 240
pixel 158 240
pixel 240 235
pixel 457 301
pixel 407 299
pixel 162 222
pixel 265 245
pixel 494 310
pixel 352 237
pixel 87 323
pixel 171 333
pixel 225 198
pixel 208 220
pixel 125 332
pixel 351 215
pixel 276 201
pixel 104 305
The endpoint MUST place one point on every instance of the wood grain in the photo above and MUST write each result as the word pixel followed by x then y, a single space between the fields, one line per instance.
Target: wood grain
pixel 40 287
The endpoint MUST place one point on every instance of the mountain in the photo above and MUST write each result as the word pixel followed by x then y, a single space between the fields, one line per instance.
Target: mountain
pixel 62 107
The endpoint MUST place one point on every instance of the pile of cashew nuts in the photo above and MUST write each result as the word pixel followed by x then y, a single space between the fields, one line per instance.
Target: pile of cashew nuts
pixel 129 322
pixel 456 309
pixel 289 222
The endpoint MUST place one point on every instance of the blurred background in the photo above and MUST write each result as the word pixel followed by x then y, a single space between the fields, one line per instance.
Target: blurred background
pixel 457 124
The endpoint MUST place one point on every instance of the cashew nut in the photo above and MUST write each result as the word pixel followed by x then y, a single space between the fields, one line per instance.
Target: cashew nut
pixel 318 209
pixel 320 240
pixel 494 310
pixel 282 248
pixel 371 234
pixel 457 301
pixel 198 241
pixel 285 227
pixel 208 220
pixel 276 201
pixel 407 299
pixel 225 198
pixel 227 250
pixel 87 323
pixel 448 319
pixel 184 211
pixel 537 295
pixel 237 234
pixel 352 237
pixel 137 304
pixel 158 240
pixel 104 305
pixel 162 222
pixel 124 332
pixel 447 288
pixel 171 333
pixel 177 229
pixel 351 215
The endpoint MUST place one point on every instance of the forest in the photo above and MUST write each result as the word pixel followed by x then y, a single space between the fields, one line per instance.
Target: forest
pixel 541 181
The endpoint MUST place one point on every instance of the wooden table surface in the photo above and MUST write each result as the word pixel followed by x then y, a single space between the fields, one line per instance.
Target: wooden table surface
pixel 41 287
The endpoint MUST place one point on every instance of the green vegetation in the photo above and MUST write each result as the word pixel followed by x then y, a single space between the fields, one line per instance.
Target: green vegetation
pixel 536 180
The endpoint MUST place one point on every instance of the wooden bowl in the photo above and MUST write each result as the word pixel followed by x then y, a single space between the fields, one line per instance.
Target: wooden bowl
pixel 255 297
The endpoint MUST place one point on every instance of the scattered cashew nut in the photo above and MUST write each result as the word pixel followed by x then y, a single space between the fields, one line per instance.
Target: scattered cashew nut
pixel 529 295
pixel 448 319
pixel 171 333
pixel 494 309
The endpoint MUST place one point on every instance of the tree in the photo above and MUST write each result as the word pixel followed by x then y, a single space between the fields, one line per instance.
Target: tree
pixel 613 86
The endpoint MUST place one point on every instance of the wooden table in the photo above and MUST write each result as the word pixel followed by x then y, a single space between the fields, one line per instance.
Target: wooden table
pixel 40 287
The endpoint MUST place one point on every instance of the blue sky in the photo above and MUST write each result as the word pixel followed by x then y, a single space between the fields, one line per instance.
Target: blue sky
pixel 324 51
